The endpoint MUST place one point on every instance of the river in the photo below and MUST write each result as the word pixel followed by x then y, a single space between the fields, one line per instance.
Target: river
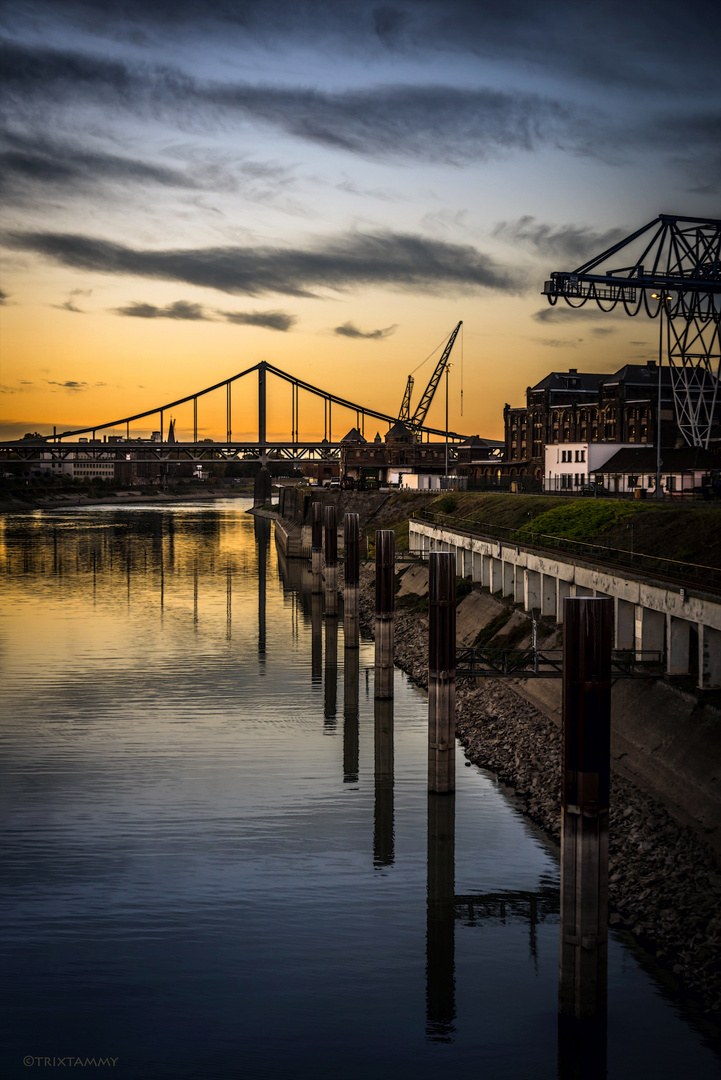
pixel 220 859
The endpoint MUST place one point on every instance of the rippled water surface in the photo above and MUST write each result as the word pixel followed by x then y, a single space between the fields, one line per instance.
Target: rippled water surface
pixel 220 859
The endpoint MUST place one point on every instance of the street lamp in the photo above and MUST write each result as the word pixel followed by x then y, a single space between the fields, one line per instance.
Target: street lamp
pixel 662 299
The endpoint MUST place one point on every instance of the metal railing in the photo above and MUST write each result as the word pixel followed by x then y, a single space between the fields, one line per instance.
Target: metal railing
pixel 482 662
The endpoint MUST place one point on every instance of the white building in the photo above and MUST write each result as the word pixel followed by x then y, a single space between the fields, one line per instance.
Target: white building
pixel 570 466
pixel 77 466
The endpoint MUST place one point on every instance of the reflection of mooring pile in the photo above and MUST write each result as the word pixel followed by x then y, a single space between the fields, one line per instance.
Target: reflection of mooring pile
pixel 587 667
pixel 506 907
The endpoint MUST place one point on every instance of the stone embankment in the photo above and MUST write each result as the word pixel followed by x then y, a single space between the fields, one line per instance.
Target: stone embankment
pixel 665 886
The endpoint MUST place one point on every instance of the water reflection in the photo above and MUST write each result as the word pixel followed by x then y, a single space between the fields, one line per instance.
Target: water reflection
pixel 190 859
pixel 351 742
pixel 383 833
pixel 331 672
pixel 316 639
pixel 440 919
pixel 582 1048
pixel 261 529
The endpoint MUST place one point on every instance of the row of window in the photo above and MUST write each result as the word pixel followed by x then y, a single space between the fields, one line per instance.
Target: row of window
pixel 567 455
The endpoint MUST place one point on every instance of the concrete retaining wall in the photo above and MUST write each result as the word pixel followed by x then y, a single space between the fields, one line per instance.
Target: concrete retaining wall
pixel 684 623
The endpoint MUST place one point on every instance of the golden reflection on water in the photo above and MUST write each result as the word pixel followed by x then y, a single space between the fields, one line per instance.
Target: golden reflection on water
pixel 189 567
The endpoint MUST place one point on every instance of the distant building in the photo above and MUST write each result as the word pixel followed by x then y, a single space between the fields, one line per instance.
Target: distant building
pixel 683 469
pixel 77 466
pixel 579 408
pixel 571 466
pixel 398 455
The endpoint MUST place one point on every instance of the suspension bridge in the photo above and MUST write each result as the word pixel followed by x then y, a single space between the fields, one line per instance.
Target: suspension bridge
pixel 116 438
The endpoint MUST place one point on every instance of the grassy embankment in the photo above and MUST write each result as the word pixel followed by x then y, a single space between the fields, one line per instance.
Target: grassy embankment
pixel 688 533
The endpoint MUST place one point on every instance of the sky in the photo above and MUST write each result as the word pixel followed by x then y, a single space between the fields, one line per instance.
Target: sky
pixel 189 188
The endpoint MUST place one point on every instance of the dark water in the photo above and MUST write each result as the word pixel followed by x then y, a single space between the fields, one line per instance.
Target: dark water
pixel 220 859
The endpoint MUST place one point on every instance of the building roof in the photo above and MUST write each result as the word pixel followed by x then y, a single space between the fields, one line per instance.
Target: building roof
pixel 645 375
pixel 399 431
pixel 353 436
pixel 584 382
pixel 643 460
pixel 476 442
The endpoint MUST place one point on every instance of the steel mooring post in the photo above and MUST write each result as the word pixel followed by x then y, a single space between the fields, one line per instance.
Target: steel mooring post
pixel 331 561
pixel 441 672
pixel 587 638
pixel 351 579
pixel 316 555
pixel 385 604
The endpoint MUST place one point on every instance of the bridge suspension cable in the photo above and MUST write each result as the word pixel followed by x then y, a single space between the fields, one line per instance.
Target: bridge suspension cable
pixel 263 368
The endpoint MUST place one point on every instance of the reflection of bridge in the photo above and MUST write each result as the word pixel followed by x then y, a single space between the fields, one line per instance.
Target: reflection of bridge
pixel 114 437
pixel 503 907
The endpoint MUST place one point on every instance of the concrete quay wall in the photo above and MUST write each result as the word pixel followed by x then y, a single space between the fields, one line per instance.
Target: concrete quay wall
pixel 683 623
pixel 665 738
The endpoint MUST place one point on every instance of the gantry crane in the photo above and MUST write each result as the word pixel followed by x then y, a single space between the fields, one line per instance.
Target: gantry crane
pixel 671 267
pixel 416 421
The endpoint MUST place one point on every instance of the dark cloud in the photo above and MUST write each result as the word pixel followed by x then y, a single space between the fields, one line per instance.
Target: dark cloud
pixel 4 297
pixel 70 304
pixel 572 243
pixel 69 384
pixel 565 37
pixel 338 263
pixel 435 123
pixel 269 320
pixel 181 309
pixel 562 313
pixel 351 331
pixel 431 123
pixel 559 343
pixel 49 163
pixel 36 164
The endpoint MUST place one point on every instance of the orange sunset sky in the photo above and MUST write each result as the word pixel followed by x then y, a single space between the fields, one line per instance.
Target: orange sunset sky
pixel 330 188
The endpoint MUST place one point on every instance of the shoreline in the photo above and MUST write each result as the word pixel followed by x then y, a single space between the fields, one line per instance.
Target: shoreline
pixel 121 498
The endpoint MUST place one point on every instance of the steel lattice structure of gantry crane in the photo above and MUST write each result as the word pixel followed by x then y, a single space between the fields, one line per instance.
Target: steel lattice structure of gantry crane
pixel 672 266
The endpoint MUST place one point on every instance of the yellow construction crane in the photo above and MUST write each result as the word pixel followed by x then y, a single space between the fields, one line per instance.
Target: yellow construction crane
pixel 416 421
